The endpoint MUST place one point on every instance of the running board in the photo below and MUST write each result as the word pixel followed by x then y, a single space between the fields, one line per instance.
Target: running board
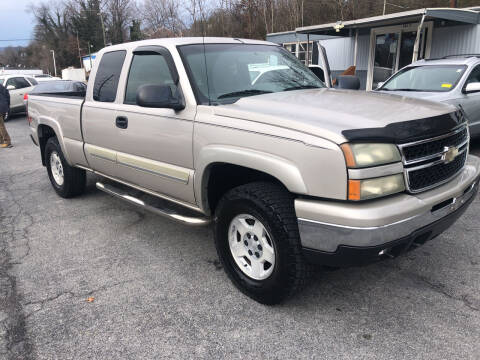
pixel 155 206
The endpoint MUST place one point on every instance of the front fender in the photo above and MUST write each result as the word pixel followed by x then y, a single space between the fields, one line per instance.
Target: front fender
pixel 282 169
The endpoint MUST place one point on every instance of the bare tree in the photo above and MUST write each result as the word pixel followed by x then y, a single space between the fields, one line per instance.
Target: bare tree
pixel 161 15
pixel 119 16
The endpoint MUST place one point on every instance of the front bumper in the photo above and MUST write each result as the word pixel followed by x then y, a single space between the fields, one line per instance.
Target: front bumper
pixel 345 234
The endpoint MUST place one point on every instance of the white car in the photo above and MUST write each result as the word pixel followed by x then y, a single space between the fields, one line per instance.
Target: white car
pixel 45 77
pixel 454 79
pixel 18 86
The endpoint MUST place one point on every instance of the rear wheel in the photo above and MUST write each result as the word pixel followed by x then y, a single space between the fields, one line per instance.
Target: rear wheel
pixel 67 181
pixel 257 241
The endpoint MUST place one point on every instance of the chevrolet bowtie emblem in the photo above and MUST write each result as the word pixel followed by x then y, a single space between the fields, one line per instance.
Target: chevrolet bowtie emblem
pixel 449 154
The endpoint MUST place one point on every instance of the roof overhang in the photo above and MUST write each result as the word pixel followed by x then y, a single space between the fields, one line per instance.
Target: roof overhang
pixel 465 16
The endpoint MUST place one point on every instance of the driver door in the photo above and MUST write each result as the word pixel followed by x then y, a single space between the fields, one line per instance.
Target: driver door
pixel 154 145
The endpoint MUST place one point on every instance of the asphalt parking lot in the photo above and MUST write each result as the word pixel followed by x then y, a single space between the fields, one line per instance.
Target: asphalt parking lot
pixel 159 292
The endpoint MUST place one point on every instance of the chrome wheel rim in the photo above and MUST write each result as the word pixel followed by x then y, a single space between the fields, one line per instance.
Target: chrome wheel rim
pixel 57 168
pixel 251 246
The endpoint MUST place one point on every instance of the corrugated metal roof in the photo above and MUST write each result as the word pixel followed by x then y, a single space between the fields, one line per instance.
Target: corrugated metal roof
pixel 464 15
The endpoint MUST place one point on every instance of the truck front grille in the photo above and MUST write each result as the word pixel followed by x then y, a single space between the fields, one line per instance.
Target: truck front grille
pixel 432 162
pixel 435 147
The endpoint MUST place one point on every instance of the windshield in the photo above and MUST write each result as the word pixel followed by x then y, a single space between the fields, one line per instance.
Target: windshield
pixel 224 73
pixel 436 78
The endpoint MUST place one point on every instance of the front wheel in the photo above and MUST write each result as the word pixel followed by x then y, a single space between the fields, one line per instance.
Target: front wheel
pixel 257 241
pixel 67 181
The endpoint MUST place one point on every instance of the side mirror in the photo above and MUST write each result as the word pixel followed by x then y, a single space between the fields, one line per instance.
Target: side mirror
pixel 472 87
pixel 11 87
pixel 350 82
pixel 159 96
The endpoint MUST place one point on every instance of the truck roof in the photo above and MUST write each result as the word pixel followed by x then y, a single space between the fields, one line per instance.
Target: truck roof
pixel 185 41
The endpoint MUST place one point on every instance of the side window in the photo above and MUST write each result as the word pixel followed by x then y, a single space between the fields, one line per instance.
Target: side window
pixel 474 75
pixel 108 74
pixel 146 68
pixel 21 83
pixel 32 81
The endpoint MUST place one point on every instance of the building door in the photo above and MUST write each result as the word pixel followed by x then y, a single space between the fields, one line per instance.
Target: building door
pixel 391 48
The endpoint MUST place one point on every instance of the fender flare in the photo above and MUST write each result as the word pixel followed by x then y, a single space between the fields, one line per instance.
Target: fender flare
pixel 55 126
pixel 280 168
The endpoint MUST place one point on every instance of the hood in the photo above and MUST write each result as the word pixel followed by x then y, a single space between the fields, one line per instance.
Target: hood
pixel 341 115
pixel 425 95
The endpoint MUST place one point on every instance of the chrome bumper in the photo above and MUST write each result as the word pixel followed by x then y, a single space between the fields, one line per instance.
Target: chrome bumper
pixel 425 209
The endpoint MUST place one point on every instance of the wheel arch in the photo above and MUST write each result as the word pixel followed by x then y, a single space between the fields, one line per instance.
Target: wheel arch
pixel 45 131
pixel 221 168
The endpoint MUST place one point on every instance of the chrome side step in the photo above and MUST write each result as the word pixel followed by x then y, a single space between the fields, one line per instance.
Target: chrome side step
pixel 156 206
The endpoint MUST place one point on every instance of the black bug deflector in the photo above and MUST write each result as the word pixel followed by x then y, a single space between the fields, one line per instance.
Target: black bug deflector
pixel 407 131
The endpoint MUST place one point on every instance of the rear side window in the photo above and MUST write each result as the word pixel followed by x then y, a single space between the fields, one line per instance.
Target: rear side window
pixel 32 81
pixel 108 74
pixel 146 68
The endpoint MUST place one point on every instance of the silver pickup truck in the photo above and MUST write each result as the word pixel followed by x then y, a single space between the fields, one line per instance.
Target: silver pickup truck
pixel 290 172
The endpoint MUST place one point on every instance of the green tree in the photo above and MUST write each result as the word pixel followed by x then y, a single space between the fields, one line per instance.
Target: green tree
pixel 135 31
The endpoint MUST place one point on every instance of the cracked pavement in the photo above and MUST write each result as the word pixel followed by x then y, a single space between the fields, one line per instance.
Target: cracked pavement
pixel 159 291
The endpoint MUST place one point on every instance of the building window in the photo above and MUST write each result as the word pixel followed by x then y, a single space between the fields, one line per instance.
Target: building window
pixel 299 49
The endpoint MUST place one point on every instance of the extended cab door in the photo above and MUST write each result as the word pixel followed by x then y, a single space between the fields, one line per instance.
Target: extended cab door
pixel 100 133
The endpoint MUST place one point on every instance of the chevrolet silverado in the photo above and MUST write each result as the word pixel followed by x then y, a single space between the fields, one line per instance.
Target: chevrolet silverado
pixel 290 172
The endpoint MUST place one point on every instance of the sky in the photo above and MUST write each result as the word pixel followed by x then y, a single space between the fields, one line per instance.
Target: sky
pixel 15 22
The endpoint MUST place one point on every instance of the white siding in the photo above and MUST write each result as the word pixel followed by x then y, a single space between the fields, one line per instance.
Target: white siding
pixel 363 52
pixel 339 52
pixel 450 40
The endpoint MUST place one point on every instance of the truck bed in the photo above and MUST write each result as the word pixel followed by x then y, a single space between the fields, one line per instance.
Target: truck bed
pixel 63 112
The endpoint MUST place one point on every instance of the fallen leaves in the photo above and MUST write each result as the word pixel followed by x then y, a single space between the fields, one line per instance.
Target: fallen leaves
pixel 91 299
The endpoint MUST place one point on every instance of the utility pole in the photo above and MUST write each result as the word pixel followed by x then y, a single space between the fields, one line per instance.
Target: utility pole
pixel 103 29
pixel 90 55
pixel 384 6
pixel 54 64
pixel 302 13
pixel 79 53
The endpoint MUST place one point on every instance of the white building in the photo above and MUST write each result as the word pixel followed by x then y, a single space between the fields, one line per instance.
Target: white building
pixel 381 45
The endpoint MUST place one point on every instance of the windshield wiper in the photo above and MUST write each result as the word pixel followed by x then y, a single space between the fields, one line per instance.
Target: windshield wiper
pixel 300 87
pixel 248 92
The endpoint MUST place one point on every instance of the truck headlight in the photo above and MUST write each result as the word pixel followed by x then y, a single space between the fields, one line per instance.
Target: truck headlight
pixel 372 188
pixel 365 155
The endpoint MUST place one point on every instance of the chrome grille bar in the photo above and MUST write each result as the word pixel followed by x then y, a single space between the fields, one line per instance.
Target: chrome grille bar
pixel 413 166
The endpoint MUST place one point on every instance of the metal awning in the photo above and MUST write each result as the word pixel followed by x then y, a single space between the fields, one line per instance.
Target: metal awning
pixel 465 16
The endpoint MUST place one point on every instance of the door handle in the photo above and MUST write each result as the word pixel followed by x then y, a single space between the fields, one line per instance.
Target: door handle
pixel 121 122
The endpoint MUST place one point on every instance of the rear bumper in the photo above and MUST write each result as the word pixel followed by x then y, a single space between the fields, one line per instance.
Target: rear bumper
pixel 364 233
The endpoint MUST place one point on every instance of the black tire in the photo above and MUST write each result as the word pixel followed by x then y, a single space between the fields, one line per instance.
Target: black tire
pixel 274 207
pixel 74 179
